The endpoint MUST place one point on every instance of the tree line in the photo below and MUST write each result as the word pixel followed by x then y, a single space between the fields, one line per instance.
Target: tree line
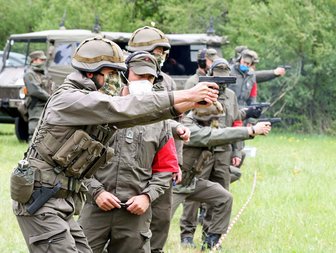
pixel 298 33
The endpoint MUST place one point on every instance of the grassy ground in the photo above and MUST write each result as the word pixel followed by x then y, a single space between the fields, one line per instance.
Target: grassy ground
pixel 291 211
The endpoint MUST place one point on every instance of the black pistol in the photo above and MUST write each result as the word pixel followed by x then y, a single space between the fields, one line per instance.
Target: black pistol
pixel 271 120
pixel 222 82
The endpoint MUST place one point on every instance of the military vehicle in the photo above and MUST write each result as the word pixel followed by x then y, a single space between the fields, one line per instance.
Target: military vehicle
pixel 59 46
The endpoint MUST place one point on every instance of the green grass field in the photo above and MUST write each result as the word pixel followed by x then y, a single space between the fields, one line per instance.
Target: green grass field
pixel 291 210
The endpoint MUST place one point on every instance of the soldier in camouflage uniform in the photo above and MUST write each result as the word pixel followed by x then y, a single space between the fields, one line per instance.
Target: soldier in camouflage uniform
pixel 38 87
pixel 154 41
pixel 139 172
pixel 70 143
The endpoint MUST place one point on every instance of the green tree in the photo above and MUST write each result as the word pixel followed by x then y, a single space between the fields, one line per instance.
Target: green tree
pixel 17 17
pixel 296 32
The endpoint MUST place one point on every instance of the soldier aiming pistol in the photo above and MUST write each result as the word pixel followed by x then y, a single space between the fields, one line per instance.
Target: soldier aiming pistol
pixel 272 120
pixel 286 66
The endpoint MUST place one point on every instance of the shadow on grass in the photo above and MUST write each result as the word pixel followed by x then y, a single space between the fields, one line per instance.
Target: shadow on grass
pixel 6 133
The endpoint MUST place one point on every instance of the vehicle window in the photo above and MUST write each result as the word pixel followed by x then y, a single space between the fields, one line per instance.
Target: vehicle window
pixel 182 60
pixel 62 53
pixel 17 54
pixel 20 49
pixel 37 46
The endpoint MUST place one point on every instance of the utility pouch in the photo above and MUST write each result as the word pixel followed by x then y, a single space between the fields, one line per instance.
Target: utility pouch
pixel 22 182
pixel 106 155
pixel 199 163
pixel 81 155
pixel 194 166
pixel 72 148
pixel 86 160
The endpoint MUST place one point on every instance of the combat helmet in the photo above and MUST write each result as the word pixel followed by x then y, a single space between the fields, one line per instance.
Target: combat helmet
pixel 147 39
pixel 238 50
pixel 208 113
pixel 220 67
pixel 249 56
pixel 95 53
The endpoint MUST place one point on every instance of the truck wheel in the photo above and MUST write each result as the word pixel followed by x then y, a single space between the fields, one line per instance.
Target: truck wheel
pixel 21 129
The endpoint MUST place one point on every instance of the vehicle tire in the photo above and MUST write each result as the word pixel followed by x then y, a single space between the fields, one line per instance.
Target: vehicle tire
pixel 21 129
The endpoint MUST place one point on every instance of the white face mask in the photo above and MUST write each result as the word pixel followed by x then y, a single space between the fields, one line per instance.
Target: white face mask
pixel 140 87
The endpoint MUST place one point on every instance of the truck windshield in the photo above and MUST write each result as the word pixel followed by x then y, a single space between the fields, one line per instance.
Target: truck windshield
pixel 182 60
pixel 19 51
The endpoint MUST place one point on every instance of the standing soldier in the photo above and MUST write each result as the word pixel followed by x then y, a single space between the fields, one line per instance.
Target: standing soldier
pixel 70 143
pixel 260 75
pixel 38 87
pixel 205 58
pixel 138 173
pixel 245 78
pixel 154 41
pixel 244 67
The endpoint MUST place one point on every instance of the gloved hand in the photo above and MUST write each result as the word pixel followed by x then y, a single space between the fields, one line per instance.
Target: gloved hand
pixel 253 112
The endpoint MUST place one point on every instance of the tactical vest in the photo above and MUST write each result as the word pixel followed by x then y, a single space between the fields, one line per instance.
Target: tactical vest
pixel 71 153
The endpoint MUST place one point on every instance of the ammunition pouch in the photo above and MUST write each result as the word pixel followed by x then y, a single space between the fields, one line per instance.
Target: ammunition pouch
pixel 81 155
pixel 22 184
pixel 193 164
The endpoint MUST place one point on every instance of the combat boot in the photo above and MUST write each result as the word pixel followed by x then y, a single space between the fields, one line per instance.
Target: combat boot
pixel 188 242
pixel 210 241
